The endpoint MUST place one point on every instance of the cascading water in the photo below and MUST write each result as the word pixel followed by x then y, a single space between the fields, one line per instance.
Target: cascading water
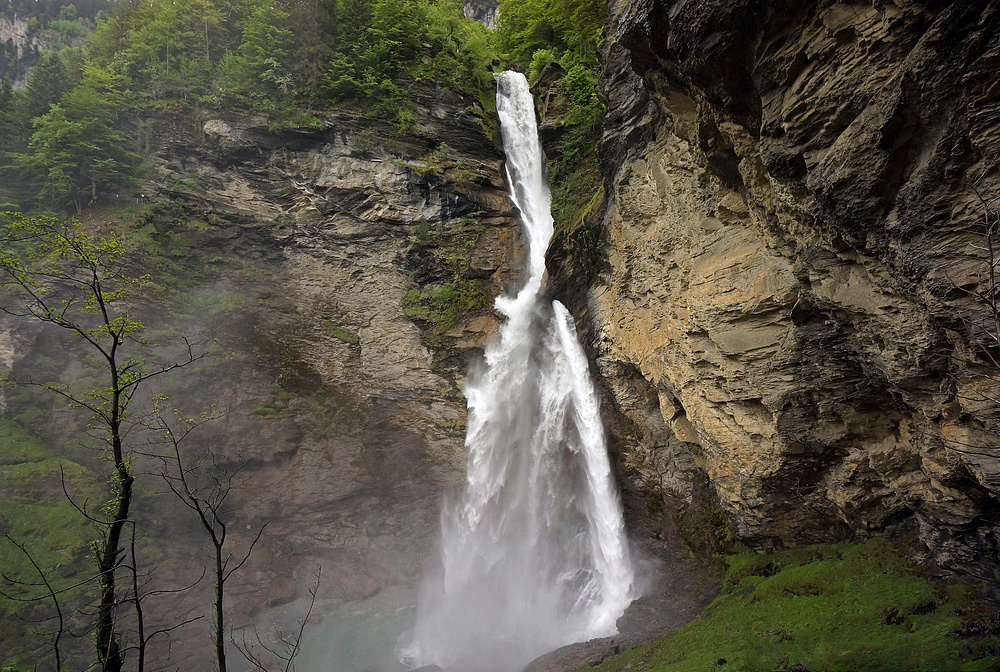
pixel 533 554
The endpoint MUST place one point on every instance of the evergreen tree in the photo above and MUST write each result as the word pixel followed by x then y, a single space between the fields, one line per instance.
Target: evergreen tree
pixel 75 149
pixel 258 70
pixel 47 83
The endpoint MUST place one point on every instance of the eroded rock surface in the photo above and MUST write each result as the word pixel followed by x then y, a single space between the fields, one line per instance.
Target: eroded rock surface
pixel 793 240
pixel 293 258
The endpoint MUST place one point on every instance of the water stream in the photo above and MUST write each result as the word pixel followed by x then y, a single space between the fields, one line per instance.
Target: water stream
pixel 533 553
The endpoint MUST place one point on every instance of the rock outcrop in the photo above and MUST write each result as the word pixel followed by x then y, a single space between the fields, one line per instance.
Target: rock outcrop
pixel 21 47
pixel 795 300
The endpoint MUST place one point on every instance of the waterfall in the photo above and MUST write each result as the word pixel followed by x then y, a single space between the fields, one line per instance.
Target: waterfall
pixel 533 553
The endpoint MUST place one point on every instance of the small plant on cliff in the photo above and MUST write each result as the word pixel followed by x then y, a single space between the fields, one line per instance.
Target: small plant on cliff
pixel 441 305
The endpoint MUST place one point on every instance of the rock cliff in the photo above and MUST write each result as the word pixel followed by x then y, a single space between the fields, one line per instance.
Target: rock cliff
pixel 341 278
pixel 20 47
pixel 794 303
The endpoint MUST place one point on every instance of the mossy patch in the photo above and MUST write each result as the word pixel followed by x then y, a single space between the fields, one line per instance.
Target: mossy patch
pixel 341 333
pixel 440 256
pixel 266 411
pixel 576 191
pixel 440 306
pixel 846 607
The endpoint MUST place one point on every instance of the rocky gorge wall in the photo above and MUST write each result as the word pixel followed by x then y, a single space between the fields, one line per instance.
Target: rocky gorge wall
pixel 341 279
pixel 790 251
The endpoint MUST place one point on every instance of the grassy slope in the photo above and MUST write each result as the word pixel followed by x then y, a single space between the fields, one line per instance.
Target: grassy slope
pixel 846 607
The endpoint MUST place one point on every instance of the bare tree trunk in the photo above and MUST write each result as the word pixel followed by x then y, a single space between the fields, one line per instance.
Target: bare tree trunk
pixel 108 644
pixel 220 623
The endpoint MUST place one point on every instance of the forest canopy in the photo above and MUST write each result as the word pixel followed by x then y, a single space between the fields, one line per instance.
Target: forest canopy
pixel 288 59
pixel 69 133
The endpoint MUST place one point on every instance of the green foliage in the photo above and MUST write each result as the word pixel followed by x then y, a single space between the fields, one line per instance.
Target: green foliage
pixel 242 51
pixel 525 26
pixel 76 149
pixel 441 299
pixel 341 333
pixel 164 47
pixel 440 305
pixel 383 45
pixel 576 194
pixel 56 73
pixel 850 607
pixel 266 411
pixel 556 41
pixel 55 272
pixel 259 69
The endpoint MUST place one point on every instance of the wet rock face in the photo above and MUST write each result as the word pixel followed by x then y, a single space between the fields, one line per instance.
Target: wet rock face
pixel 793 233
pixel 295 254
pixel 352 414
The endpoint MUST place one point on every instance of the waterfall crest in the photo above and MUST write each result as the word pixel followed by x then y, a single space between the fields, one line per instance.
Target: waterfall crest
pixel 533 553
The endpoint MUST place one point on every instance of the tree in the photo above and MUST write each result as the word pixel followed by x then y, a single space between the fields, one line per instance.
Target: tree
pixel 14 129
pixel 259 71
pixel 75 149
pixel 54 272
pixel 47 83
pixel 208 503
pixel 163 46
pixel 524 26
pixel 313 22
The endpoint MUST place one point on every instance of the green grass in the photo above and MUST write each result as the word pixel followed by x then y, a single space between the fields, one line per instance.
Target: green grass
pixel 849 607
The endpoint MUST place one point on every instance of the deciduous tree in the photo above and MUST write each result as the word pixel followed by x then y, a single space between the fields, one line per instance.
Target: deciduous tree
pixel 53 272
pixel 76 149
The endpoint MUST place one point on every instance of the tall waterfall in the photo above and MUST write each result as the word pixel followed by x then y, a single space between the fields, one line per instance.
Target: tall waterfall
pixel 533 554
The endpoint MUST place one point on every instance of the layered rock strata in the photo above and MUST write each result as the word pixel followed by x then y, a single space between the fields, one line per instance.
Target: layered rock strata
pixel 796 299
pixel 322 271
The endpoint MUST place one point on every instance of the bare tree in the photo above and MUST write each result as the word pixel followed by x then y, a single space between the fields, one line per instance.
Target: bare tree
pixel 283 660
pixel 208 501
pixel 976 383
pixel 49 594
pixel 54 273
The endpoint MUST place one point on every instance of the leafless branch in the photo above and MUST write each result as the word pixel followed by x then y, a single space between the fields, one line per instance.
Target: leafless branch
pixel 50 594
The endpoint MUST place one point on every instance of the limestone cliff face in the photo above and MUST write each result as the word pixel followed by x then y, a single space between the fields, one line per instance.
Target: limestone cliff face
pixel 349 221
pixel 322 269
pixel 22 47
pixel 792 244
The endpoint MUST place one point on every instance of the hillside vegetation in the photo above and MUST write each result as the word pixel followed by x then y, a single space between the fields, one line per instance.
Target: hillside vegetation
pixel 73 133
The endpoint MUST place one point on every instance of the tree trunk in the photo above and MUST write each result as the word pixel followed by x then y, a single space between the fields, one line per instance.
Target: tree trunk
pixel 220 632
